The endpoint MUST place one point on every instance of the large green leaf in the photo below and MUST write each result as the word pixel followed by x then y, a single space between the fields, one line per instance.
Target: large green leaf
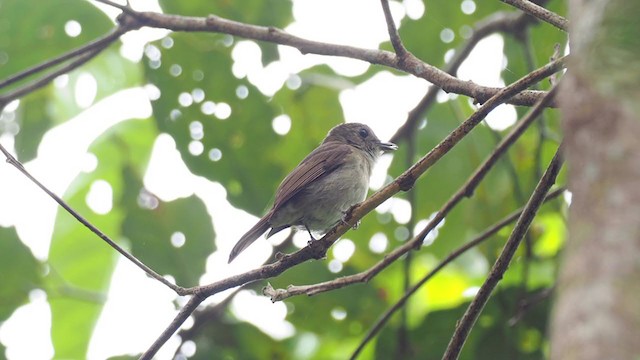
pixel 28 40
pixel 45 30
pixel 172 238
pixel 41 110
pixel 21 272
pixel 222 339
pixel 34 121
pixel 228 144
pixel 111 72
pixel 82 264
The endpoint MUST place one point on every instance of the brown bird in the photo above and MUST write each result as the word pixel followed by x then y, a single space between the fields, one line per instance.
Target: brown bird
pixel 318 192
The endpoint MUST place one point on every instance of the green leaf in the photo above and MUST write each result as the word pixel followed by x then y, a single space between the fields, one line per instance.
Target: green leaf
pixel 28 40
pixel 43 109
pixel 172 238
pixel 21 272
pixel 490 338
pixel 246 133
pixel 34 121
pixel 553 236
pixel 46 107
pixel 111 73
pixel 82 264
pixel 222 339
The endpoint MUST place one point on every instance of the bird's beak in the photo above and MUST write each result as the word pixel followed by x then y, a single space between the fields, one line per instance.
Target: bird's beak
pixel 387 146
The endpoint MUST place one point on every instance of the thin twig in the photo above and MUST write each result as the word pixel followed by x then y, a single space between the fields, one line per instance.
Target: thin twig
pixel 401 51
pixel 403 349
pixel 540 13
pixel 317 249
pixel 17 93
pixel 125 8
pixel 524 305
pixel 384 318
pixel 99 43
pixel 502 263
pixel 13 161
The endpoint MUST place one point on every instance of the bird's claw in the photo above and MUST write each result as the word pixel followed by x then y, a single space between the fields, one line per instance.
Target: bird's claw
pixel 345 216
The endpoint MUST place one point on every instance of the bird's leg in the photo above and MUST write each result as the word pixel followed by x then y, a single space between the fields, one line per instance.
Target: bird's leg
pixel 345 217
pixel 311 235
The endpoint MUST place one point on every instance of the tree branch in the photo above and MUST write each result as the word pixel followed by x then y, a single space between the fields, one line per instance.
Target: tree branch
pixel 526 304
pixel 540 12
pixel 98 44
pixel 502 263
pixel 399 48
pixel 404 61
pixel 409 63
pixel 35 85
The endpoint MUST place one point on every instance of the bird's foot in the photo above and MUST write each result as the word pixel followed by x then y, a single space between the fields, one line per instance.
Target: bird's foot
pixel 310 235
pixel 345 216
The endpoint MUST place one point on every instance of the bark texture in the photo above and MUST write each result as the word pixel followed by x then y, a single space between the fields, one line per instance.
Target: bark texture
pixel 597 310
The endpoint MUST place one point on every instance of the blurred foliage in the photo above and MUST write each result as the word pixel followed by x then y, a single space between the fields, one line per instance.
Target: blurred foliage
pixel 21 272
pixel 222 125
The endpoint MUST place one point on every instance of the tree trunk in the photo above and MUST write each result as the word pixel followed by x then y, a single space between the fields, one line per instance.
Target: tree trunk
pixel 597 310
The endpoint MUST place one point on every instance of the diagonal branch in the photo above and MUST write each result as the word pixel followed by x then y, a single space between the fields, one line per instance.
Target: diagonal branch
pixel 97 44
pixel 466 190
pixel 79 55
pixel 384 318
pixel 502 263
pixel 540 12
pixel 182 316
pixel 35 85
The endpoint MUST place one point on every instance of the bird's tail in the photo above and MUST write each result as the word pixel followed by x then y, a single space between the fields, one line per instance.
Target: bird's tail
pixel 252 235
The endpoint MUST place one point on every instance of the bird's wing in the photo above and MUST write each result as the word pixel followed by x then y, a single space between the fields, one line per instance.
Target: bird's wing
pixel 320 162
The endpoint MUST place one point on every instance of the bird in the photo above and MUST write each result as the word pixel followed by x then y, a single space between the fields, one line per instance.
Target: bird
pixel 317 193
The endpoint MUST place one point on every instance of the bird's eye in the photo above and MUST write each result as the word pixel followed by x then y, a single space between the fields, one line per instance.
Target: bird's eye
pixel 363 133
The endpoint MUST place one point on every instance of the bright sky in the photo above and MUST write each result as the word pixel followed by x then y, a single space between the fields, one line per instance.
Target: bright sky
pixel 63 155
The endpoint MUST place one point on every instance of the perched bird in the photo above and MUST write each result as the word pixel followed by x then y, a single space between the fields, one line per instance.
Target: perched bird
pixel 319 191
